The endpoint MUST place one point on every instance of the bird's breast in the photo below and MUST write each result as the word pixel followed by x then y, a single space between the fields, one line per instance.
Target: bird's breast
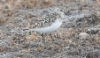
pixel 49 29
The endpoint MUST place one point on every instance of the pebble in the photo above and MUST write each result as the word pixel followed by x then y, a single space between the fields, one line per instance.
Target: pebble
pixel 83 35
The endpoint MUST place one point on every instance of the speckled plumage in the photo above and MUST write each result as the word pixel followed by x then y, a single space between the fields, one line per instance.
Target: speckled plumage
pixel 47 20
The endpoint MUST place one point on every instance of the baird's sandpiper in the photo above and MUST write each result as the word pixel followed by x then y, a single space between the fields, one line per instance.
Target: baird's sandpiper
pixel 50 23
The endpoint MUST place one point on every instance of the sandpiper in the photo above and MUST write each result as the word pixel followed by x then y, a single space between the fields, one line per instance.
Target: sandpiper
pixel 50 23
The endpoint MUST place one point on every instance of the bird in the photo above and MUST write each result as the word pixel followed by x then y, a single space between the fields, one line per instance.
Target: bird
pixel 50 23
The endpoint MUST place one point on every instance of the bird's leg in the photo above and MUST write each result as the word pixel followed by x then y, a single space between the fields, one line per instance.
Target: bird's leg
pixel 51 37
pixel 43 37
pixel 30 32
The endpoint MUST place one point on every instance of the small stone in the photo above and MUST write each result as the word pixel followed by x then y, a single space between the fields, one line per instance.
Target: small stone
pixel 84 35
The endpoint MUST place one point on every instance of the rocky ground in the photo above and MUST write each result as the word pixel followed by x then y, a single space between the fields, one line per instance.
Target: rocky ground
pixel 79 37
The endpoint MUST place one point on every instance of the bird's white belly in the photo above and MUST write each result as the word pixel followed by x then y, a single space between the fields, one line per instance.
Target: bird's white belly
pixel 49 29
